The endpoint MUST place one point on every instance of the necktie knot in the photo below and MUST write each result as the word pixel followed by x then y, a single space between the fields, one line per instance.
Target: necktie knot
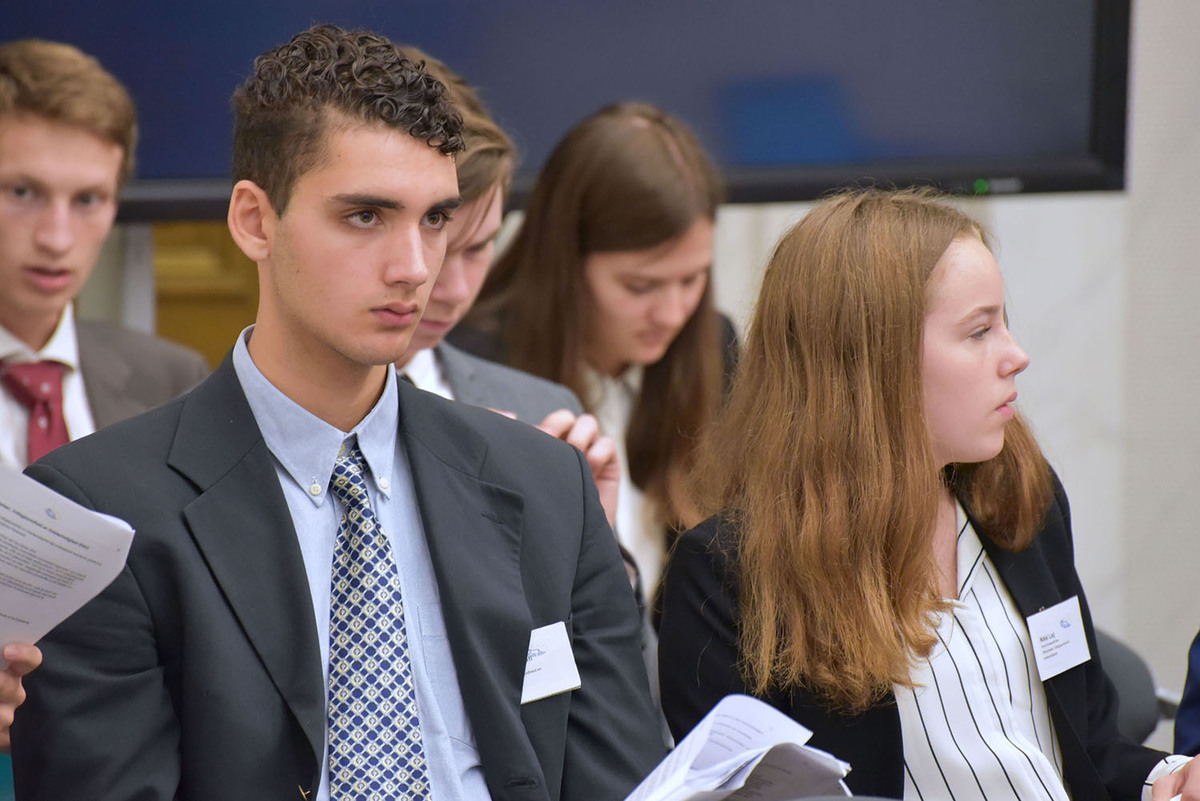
pixel 34 382
pixel 348 481
pixel 38 387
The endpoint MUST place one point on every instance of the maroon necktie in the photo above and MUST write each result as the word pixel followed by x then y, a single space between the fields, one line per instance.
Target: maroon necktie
pixel 38 387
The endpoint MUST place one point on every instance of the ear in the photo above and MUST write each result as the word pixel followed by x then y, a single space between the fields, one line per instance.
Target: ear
pixel 252 220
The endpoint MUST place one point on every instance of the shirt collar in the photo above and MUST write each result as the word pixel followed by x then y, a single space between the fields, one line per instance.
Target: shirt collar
pixel 970 553
pixel 628 382
pixel 422 368
pixel 305 445
pixel 63 347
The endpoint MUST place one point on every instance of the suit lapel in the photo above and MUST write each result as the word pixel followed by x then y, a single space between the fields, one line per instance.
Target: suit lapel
pixel 1032 585
pixel 105 377
pixel 241 523
pixel 474 531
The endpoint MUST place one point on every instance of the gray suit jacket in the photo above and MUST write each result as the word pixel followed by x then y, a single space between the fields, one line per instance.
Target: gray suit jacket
pixel 482 383
pixel 127 372
pixel 196 674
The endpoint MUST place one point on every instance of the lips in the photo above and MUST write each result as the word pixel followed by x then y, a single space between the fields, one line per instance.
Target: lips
pixel 399 314
pixel 1005 409
pixel 435 325
pixel 50 280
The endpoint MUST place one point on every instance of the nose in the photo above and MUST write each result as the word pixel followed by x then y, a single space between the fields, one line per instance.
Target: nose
pixel 672 308
pixel 54 232
pixel 1016 359
pixel 451 286
pixel 410 259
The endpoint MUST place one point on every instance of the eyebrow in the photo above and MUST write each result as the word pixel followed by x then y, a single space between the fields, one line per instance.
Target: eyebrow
pixel 981 311
pixel 380 202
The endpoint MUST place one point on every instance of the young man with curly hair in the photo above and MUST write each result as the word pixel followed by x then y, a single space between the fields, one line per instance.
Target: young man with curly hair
pixel 338 579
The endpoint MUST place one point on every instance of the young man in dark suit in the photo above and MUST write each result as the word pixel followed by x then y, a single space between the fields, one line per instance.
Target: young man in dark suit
pixel 67 136
pixel 338 580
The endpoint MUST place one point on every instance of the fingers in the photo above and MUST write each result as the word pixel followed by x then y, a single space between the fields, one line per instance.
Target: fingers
pixel 22 658
pixel 558 424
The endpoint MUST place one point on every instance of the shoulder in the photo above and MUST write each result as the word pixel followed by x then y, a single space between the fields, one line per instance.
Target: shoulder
pixel 112 459
pixel 139 349
pixel 707 555
pixel 480 435
pixel 499 386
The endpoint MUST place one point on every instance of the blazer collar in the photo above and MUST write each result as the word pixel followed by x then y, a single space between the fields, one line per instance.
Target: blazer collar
pixel 241 523
pixel 459 373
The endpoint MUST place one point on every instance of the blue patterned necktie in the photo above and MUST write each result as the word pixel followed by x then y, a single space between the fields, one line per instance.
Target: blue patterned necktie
pixel 374 735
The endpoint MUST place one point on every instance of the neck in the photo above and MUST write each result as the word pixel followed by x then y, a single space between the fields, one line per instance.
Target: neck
pixel 34 330
pixel 608 367
pixel 945 544
pixel 338 391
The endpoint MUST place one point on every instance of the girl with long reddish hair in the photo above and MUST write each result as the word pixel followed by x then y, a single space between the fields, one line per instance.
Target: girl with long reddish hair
pixel 885 529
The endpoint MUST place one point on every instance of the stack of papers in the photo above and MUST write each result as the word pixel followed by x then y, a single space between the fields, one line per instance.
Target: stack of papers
pixel 744 750
pixel 55 556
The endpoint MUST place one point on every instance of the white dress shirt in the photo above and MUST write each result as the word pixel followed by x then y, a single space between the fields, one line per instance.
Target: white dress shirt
pixel 612 401
pixel 14 416
pixel 305 448
pixel 426 374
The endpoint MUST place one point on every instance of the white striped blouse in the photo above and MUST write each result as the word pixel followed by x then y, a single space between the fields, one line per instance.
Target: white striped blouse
pixel 976 726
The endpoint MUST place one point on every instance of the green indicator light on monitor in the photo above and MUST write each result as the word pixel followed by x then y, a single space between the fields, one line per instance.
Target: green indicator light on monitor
pixel 981 186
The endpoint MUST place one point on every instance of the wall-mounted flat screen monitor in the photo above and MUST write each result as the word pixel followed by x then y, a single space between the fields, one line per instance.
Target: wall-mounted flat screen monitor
pixel 792 97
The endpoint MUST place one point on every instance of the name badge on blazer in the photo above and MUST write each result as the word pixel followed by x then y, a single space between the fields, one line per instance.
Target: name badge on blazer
pixel 550 665
pixel 1059 641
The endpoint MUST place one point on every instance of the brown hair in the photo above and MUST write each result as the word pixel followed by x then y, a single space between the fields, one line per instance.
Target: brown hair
pixel 323 77
pixel 822 457
pixel 62 84
pixel 629 177
pixel 489 156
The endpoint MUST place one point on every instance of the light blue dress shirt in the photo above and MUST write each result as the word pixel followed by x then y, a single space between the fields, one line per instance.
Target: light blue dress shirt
pixel 305 448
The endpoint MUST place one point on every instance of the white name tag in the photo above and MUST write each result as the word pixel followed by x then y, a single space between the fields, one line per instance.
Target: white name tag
pixel 1059 641
pixel 550 665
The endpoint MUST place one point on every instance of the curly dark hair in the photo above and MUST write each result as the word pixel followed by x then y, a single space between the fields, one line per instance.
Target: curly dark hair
pixel 299 89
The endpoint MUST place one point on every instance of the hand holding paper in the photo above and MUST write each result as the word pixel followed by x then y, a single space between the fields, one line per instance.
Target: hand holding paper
pixel 55 556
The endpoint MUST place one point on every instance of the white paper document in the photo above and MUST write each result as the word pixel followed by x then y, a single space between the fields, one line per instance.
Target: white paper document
pixel 55 556
pixel 744 750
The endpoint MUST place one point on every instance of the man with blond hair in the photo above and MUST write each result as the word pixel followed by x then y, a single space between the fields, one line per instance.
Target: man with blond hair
pixel 67 136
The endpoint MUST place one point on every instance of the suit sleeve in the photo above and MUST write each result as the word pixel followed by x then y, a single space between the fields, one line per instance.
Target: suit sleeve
pixel 613 735
pixel 1187 721
pixel 698 638
pixel 98 721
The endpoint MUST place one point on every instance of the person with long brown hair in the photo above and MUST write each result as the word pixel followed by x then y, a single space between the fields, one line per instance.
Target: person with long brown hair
pixel 606 289
pixel 485 168
pixel 885 529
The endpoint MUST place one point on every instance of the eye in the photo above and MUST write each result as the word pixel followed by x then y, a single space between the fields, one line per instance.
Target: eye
pixel 638 288
pixel 979 333
pixel 363 218
pixel 19 191
pixel 437 219
pixel 88 199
